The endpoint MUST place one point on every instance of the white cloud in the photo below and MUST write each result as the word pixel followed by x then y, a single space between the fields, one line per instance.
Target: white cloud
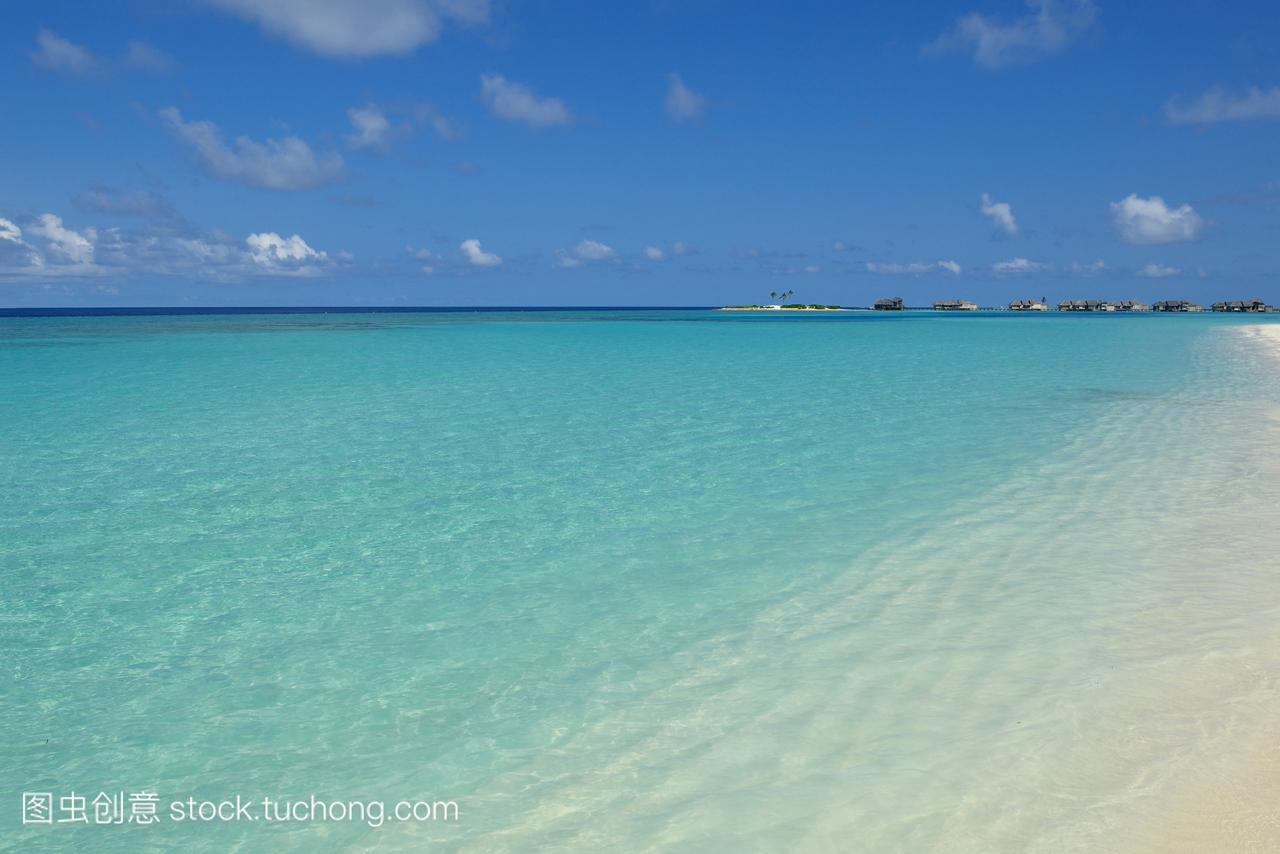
pixel 653 253
pixel 1158 271
pixel 64 243
pixel 1088 269
pixel 679 248
pixel 516 102
pixel 10 231
pixel 277 164
pixel 1218 105
pixel 1150 220
pixel 839 246
pixel 477 256
pixel 357 28
pixel 913 268
pixel 1000 214
pixel 15 253
pixel 1017 266
pixel 683 104
pixel 270 249
pixel 54 53
pixel 1050 27
pixel 813 268
pixel 594 250
pixel 586 251
pixel 50 248
pixel 373 130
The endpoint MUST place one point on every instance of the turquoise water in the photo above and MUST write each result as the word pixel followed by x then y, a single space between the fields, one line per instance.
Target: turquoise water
pixel 633 580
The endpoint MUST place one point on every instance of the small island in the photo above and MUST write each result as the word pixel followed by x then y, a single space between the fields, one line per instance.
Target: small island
pixel 781 305
pixel 795 306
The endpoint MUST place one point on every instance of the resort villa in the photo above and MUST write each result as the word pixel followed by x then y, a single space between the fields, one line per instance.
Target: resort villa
pixel 1176 305
pixel 889 304
pixel 1028 305
pixel 1102 305
pixel 1249 305
pixel 954 305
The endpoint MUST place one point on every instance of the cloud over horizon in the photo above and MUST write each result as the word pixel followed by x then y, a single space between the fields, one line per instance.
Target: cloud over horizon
pixel 1018 266
pixel 1150 220
pixel 913 268
pixel 476 256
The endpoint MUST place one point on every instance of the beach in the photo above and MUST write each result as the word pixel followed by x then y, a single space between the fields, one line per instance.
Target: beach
pixel 979 583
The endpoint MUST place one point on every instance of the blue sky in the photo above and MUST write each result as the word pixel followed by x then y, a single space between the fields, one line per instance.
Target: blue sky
pixel 682 152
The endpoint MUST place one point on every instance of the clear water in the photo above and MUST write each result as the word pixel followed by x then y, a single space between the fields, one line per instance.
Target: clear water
pixel 635 580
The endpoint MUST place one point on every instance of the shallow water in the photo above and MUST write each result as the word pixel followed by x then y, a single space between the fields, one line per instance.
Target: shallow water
pixel 619 580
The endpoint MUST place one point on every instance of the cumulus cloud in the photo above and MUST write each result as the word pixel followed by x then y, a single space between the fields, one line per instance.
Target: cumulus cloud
pixel 1018 266
pixel 594 250
pixel 1158 271
pixel 1150 220
pixel 683 104
pixel 476 256
pixel 586 251
pixel 64 243
pixel 653 253
pixel 277 164
pixel 54 53
pixel 9 231
pixel 1050 27
pixel 48 247
pixel 284 255
pixel 15 253
pixel 348 29
pixel 516 102
pixel 913 268
pixel 1218 105
pixel 680 248
pixel 372 130
pixel 1000 214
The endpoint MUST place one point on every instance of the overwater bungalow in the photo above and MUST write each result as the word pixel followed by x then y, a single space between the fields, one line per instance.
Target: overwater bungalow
pixel 1028 305
pixel 1081 305
pixel 954 305
pixel 889 304
pixel 1251 306
pixel 1176 305
pixel 1126 305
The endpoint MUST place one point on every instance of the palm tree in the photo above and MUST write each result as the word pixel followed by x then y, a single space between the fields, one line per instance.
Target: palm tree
pixel 773 295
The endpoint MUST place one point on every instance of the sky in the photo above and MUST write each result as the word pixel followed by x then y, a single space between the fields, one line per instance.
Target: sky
pixel 656 152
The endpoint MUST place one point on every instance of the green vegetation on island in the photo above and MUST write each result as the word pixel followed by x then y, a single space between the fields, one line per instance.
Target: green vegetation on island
pixel 781 305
